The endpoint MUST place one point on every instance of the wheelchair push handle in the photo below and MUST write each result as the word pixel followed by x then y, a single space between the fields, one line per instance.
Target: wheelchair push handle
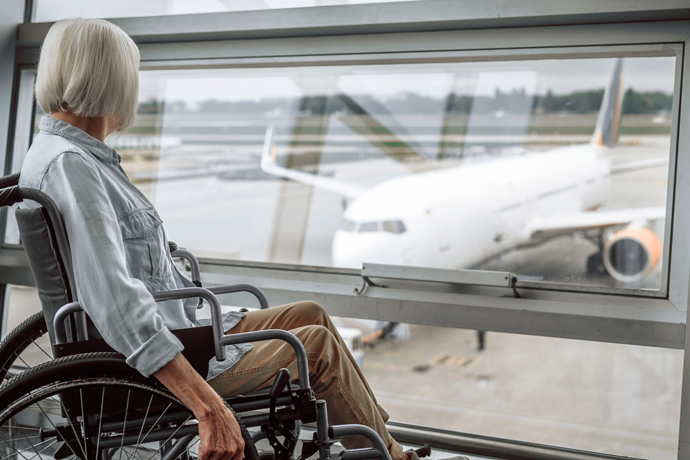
pixel 60 325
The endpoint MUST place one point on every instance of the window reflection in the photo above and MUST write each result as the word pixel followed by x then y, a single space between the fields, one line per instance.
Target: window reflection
pixel 511 166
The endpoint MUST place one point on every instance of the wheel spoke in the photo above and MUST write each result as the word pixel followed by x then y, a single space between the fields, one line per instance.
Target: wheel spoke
pixel 20 359
pixel 143 423
pixel 32 445
pixel 76 436
pixel 100 424
pixel 169 438
pixel 14 448
pixel 156 422
pixel 55 428
pixel 46 447
pixel 44 352
pixel 93 428
pixel 124 424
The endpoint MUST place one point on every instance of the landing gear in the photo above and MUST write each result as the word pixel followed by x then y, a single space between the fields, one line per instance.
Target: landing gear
pixel 595 262
pixel 481 340
pixel 595 266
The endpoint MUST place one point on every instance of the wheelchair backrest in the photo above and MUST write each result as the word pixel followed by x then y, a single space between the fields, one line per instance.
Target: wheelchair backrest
pixel 47 247
pixel 46 262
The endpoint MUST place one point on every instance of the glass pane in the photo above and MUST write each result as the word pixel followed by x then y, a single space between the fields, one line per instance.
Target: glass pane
pixel 53 10
pixel 610 398
pixel 23 302
pixel 22 140
pixel 497 166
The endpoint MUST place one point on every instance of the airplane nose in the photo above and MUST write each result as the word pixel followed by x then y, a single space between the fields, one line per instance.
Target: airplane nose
pixel 350 250
pixel 344 252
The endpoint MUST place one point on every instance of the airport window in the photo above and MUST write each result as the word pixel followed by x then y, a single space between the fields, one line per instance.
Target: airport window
pixel 446 148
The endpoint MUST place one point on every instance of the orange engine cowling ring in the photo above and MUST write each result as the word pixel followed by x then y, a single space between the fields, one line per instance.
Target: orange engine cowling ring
pixel 631 254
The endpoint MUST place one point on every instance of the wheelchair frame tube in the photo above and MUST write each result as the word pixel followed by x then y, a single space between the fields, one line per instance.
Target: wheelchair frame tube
pixel 338 431
pixel 193 263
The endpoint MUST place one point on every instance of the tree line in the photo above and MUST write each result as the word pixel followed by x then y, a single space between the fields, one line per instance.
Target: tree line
pixel 516 101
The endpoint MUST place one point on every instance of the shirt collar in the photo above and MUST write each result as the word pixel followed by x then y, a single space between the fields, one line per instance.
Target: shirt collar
pixel 76 135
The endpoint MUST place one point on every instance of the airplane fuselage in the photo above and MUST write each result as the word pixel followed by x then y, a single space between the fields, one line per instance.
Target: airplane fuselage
pixel 461 216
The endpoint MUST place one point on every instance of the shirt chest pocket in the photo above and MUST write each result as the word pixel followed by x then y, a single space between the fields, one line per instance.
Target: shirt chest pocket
pixel 145 248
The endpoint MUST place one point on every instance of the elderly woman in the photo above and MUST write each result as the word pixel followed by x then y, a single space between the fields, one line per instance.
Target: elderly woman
pixel 87 81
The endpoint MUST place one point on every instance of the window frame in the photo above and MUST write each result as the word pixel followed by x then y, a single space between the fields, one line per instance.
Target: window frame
pixel 655 320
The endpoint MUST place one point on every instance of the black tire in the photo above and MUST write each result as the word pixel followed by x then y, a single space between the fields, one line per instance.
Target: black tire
pixel 50 383
pixel 595 266
pixel 20 340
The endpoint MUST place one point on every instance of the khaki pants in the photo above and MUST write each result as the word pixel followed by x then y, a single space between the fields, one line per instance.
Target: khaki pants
pixel 333 373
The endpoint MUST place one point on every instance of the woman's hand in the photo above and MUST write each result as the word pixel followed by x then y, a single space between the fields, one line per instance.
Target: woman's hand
pixel 221 437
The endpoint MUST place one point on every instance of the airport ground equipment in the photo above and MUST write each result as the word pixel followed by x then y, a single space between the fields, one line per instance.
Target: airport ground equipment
pixel 88 404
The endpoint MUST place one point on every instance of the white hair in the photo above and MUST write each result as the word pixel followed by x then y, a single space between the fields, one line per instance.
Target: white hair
pixel 89 67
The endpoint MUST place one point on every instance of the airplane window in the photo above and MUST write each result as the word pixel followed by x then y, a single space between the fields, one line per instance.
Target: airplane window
pixel 369 227
pixel 347 225
pixel 393 226
pixel 447 148
pixel 400 226
pixel 389 226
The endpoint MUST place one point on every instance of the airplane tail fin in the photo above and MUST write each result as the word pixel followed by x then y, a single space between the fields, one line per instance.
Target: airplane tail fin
pixel 608 122
pixel 269 165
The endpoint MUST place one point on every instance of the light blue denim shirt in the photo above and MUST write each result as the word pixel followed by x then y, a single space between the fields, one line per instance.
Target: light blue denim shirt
pixel 119 249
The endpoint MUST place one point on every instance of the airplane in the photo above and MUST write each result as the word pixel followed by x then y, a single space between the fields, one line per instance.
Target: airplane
pixel 462 216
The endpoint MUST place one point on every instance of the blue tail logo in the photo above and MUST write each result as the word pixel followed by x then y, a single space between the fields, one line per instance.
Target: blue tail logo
pixel 608 122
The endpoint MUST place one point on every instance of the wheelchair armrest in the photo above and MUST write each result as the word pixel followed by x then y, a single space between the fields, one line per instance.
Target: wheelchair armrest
pixel 219 339
pixel 276 334
pixel 185 293
pixel 230 288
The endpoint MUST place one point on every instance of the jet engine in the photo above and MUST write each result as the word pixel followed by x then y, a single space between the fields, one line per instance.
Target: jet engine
pixel 632 253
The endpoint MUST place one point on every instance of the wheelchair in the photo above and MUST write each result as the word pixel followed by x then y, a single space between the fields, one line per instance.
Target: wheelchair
pixel 84 402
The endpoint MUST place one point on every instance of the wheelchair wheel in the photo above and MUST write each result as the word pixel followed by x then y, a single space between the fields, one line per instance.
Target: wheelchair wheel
pixel 95 407
pixel 25 347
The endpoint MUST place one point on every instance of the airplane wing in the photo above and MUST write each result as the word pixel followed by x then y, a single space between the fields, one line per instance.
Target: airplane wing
pixel 560 224
pixel 269 166
pixel 639 164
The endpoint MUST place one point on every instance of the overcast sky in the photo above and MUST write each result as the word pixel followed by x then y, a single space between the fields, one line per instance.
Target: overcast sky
pixel 384 82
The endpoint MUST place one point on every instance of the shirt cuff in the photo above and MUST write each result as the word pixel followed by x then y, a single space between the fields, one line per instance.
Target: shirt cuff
pixel 156 352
